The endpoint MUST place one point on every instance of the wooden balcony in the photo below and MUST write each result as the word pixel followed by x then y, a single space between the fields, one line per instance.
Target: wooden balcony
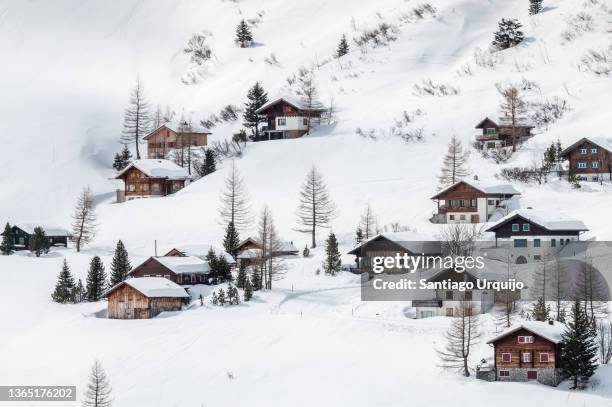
pixel 427 303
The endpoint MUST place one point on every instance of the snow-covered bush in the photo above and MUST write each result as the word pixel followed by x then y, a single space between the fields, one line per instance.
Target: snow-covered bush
pixel 498 155
pixel 403 128
pixel 577 25
pixel 486 58
pixel 380 36
pixel 420 12
pixel 598 62
pixel 230 113
pixel 429 88
pixel 272 60
pixel 197 48
pixel 545 113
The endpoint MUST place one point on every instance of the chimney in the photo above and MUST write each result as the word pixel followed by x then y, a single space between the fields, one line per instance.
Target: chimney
pixel 475 177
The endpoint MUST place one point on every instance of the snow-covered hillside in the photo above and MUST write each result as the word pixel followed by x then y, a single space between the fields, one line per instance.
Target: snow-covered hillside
pixel 66 74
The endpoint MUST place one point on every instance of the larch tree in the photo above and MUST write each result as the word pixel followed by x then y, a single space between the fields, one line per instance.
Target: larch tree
pixel 244 37
pixel 332 263
pixel 368 224
pixel 96 280
pixel 98 390
pixel 461 337
pixel 454 165
pixel 578 348
pixel 508 35
pixel 343 47
pixel 514 108
pixel 316 209
pixel 256 98
pixel 83 228
pixel 271 266
pixel 309 96
pixel 235 204
pixel 136 119
pixel 64 287
pixel 120 265
pixel 6 246
pixel 535 7
pixel 39 242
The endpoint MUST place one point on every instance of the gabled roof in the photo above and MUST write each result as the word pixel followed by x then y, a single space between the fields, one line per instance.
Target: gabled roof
pixel 50 230
pixel 412 242
pixel 546 219
pixel 153 287
pixel 604 143
pixel 280 246
pixel 293 101
pixel 201 251
pixel 184 265
pixel 502 121
pixel 540 328
pixel 178 127
pixel 156 168
pixel 499 189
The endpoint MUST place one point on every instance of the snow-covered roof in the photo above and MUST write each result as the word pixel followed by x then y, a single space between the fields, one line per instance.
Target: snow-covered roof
pixel 411 241
pixel 294 101
pixel 490 189
pixel 50 230
pixel 547 219
pixel 155 168
pixel 179 127
pixel 249 254
pixel 545 329
pixel 201 250
pixel 184 265
pixel 602 142
pixel 500 119
pixel 279 246
pixel 155 287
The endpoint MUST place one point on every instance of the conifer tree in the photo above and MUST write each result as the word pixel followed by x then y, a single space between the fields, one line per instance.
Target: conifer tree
pixel 244 37
pixel 231 240
pixel 343 47
pixel 79 294
pixel 535 7
pixel 578 348
pixel 306 252
pixel 454 165
pixel 209 164
pixel 242 277
pixel 120 265
pixel 39 242
pixel 541 312
pixel 358 236
pixel 122 159
pixel 332 263
pixel 136 118
pixel 98 391
pixel 221 299
pixel 83 225
pixel 256 281
pixel 316 209
pixel 256 98
pixel 6 246
pixel 64 287
pixel 224 270
pixel 508 35
pixel 248 290
pixel 96 280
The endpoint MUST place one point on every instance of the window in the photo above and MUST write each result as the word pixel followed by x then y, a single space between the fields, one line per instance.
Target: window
pixel 525 227
pixel 156 187
pixel 448 295
pixel 145 187
pixel 467 311
pixel 537 242
pixel 179 279
pixel 305 121
pixel 515 227
pixel 595 164
pixel 449 312
pixel 193 278
pixel 504 373
pixel 131 187
pixel 490 202
pixel 583 151
pixel 553 242
pixel 461 217
pixel 491 131
pixel 520 242
pixel 525 339
pixel 532 375
pixel 473 203
pixel 544 357
pixel 526 357
pixel 537 257
pixel 462 203
pixel 452 203
pixel 451 217
pixel 281 121
pixel 593 151
pixel 506 357
pixel 582 164
pixel 594 178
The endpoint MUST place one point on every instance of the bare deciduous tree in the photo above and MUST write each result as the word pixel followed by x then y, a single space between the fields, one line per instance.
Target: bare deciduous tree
pixel 454 165
pixel 316 209
pixel 514 108
pixel 98 391
pixel 309 95
pixel 462 335
pixel 83 228
pixel 604 340
pixel 235 205
pixel 271 266
pixel 368 223
pixel 136 119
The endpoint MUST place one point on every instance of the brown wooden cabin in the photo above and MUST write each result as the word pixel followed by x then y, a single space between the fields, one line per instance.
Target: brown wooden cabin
pixel 151 178
pixel 22 232
pixel 171 136
pixel 529 351
pixel 183 270
pixel 590 160
pixel 249 251
pixel 287 117
pixel 144 298
pixel 498 132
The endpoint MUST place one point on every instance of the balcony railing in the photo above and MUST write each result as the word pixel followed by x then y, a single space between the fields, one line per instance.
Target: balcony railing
pixel 427 303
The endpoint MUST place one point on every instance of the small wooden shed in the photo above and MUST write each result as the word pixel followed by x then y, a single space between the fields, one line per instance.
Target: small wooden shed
pixel 144 298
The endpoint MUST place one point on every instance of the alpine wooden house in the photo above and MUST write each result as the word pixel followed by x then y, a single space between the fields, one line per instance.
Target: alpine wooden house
pixel 288 117
pixel 184 270
pixel 174 135
pixel 249 251
pixel 498 132
pixel 149 178
pixel 22 232
pixel 590 159
pixel 143 298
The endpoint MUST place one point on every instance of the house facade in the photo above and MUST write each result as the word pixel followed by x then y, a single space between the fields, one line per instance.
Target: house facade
pixel 287 117
pixel 590 159
pixel 144 298
pixel 183 270
pixel 498 132
pixel 174 135
pixel 529 351
pixel 149 178
pixel 248 251
pixel 22 232
pixel 470 202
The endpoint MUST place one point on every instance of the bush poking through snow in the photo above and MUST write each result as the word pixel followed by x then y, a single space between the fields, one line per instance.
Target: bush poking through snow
pixel 197 48
pixel 487 59
pixel 577 25
pixel 548 112
pixel 597 62
pixel 498 155
pixel 380 36
pixel 272 60
pixel 429 88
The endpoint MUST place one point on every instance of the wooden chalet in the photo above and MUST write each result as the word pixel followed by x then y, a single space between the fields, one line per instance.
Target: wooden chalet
pixel 184 270
pixel 249 251
pixel 143 298
pixel 529 351
pixel 149 178
pixel 22 232
pixel 174 135
pixel 471 202
pixel 531 233
pixel 590 159
pixel 200 251
pixel 498 132
pixel 287 117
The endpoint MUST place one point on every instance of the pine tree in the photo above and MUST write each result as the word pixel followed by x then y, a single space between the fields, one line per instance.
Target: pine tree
pixel 559 151
pixel 454 165
pixel 213 261
pixel 39 242
pixel 235 206
pixel 572 177
pixel 244 37
pixel 221 299
pixel 83 225
pixel 136 119
pixel 508 35
pixel 248 290
pixel 343 47
pixel 122 159
pixel 118 163
pixel 256 98
pixel 224 270
pixel 63 292
pixel 79 294
pixel 96 280
pixel 231 240
pixel 541 312
pixel 256 281
pixel 535 7
pixel 209 164
pixel 120 265
pixel 332 263
pixel 6 246
pixel 316 209
pixel 306 252
pixel 242 277
pixel 578 348
pixel 358 236
pixel 98 391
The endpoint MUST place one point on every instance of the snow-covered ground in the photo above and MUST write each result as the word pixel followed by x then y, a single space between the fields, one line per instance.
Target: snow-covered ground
pixel 66 75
